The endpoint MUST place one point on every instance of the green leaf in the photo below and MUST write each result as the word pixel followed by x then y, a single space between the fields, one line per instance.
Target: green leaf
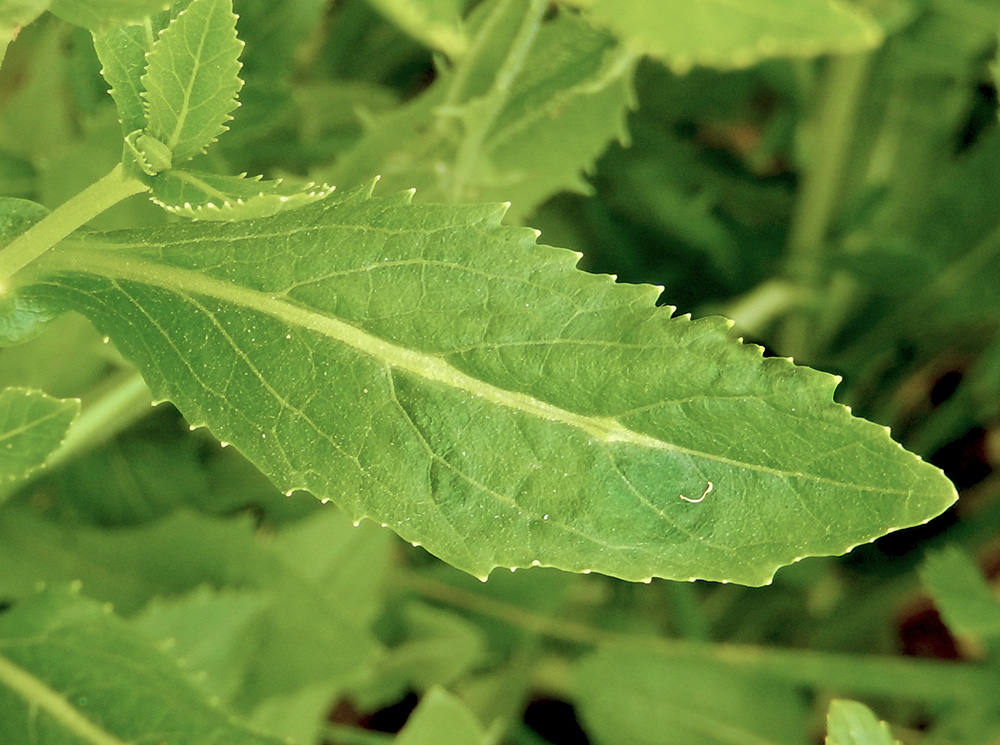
pixel 20 318
pixel 508 123
pixel 192 79
pixel 960 592
pixel 851 723
pixel 97 14
pixel 122 51
pixel 32 425
pixel 718 33
pixel 70 671
pixel 206 196
pixel 635 697
pixel 436 23
pixel 445 376
pixel 442 719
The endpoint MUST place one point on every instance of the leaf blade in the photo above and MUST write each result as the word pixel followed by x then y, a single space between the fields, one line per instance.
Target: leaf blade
pixel 32 426
pixel 192 78
pixel 364 349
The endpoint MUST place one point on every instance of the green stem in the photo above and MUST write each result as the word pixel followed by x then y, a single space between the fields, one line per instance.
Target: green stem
pixel 480 116
pixel 62 221
pixel 898 677
pixel 828 142
pixel 116 409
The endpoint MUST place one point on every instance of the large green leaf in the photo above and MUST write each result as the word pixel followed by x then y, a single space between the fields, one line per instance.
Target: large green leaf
pixel 97 14
pixel 71 672
pixel 720 33
pixel 32 425
pixel 428 368
pixel 192 78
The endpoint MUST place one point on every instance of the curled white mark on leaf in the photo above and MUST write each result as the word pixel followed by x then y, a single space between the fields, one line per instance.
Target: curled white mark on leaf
pixel 703 494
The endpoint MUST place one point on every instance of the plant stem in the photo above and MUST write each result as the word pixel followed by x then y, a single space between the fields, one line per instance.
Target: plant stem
pixel 80 209
pixel 897 677
pixel 121 405
pixel 828 142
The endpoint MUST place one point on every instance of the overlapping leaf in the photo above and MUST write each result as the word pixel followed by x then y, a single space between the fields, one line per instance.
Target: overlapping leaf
pixel 852 723
pixel 723 34
pixel 445 376
pixel 96 14
pixel 32 425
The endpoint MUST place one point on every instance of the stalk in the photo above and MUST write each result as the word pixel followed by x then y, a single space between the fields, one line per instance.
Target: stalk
pixel 828 142
pixel 77 211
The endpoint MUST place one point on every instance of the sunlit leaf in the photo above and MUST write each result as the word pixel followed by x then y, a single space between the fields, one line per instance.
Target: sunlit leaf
pixel 32 425
pixel 443 375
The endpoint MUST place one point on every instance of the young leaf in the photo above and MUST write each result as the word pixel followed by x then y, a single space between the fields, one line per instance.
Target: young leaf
pixel 70 671
pixel 851 723
pixel 32 425
pixel 122 51
pixel 718 33
pixel 191 78
pixel 965 600
pixel 428 368
pixel 206 196
pixel 97 14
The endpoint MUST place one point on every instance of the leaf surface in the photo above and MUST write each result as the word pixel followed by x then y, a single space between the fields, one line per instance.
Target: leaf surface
pixel 428 368
pixel 192 78
pixel 442 719
pixel 720 33
pixel 852 723
pixel 32 425
pixel 70 671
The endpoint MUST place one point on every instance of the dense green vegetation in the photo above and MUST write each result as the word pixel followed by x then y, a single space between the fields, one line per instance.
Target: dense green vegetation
pixel 320 232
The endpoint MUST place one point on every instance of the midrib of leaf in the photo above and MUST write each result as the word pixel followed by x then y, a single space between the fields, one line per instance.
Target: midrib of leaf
pixel 175 136
pixel 36 422
pixel 112 265
pixel 38 695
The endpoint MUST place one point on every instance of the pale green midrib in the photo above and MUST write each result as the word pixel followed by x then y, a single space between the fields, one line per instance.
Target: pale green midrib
pixel 28 426
pixel 425 366
pixel 175 136
pixel 37 694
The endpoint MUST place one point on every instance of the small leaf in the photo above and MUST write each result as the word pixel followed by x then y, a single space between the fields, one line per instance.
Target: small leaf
pixel 960 592
pixel 436 23
pixel 122 51
pixel 98 14
pixel 191 78
pixel 70 671
pixel 444 375
pixel 206 196
pixel 32 425
pixel 442 719
pixel 851 723
pixel 719 33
